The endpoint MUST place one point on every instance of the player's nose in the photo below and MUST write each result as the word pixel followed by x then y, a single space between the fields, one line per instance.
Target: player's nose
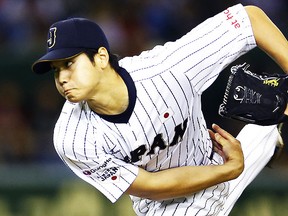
pixel 63 77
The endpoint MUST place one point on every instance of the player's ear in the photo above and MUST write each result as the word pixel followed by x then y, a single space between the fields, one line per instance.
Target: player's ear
pixel 102 57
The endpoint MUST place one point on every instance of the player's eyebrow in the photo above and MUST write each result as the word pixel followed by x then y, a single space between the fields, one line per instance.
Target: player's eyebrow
pixel 61 62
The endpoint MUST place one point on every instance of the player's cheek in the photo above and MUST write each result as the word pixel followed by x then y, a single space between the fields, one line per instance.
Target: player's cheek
pixel 59 89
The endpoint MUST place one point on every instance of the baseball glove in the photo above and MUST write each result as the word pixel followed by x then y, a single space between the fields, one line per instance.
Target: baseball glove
pixel 254 98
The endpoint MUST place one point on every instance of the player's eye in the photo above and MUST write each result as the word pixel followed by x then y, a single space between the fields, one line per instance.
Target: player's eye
pixel 68 64
pixel 56 68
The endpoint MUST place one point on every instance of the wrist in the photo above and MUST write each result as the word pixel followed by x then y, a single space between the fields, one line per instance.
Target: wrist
pixel 234 168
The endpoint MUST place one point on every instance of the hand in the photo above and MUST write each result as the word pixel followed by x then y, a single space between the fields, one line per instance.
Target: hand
pixel 229 148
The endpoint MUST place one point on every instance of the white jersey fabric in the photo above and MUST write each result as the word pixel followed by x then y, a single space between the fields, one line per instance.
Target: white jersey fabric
pixel 163 126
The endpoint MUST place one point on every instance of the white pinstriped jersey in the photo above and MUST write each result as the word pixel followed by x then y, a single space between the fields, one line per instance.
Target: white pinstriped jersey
pixel 163 126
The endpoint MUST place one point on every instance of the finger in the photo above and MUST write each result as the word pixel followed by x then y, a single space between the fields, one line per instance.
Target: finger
pixel 222 132
pixel 223 138
pixel 212 134
pixel 218 148
pixel 216 145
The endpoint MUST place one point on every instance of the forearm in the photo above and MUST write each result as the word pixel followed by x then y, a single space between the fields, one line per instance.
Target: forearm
pixel 268 37
pixel 181 181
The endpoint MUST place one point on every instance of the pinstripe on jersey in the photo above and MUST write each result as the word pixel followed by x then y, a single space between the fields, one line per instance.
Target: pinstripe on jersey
pixel 166 127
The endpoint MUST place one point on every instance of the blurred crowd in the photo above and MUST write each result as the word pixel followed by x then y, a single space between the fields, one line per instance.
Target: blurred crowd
pixel 26 124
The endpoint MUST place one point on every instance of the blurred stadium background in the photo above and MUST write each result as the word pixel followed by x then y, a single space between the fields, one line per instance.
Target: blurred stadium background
pixel 33 180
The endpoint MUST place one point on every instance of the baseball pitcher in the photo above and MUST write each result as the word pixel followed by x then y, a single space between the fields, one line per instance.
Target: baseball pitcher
pixel 135 126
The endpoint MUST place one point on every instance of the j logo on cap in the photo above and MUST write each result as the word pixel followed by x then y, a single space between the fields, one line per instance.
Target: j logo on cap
pixel 52 37
pixel 74 35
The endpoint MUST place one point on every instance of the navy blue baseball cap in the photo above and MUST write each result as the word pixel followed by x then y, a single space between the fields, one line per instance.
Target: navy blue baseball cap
pixel 68 38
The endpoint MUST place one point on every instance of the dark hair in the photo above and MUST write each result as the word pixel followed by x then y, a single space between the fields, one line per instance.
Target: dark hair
pixel 113 58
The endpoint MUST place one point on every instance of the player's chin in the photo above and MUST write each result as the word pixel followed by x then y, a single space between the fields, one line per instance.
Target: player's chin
pixel 73 99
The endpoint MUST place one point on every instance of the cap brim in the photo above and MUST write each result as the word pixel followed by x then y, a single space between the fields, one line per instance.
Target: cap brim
pixel 42 65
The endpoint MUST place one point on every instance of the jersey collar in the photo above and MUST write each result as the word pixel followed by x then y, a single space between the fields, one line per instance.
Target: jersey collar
pixel 125 116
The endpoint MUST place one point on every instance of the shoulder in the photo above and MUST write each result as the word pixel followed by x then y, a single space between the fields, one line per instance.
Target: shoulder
pixel 71 120
pixel 71 112
pixel 69 107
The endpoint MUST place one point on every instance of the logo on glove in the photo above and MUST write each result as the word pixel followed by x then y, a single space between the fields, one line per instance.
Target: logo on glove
pixel 247 95
pixel 271 82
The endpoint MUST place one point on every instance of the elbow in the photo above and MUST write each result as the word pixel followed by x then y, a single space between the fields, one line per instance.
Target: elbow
pixel 251 8
pixel 150 185
pixel 151 193
pixel 253 11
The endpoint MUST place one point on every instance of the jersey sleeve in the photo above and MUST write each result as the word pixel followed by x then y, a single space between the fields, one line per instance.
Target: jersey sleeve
pixel 202 53
pixel 216 43
pixel 75 143
pixel 109 175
